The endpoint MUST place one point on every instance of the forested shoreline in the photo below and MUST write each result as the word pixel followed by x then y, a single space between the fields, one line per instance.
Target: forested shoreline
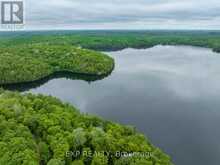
pixel 37 129
pixel 31 62
pixel 41 130
pixel 116 40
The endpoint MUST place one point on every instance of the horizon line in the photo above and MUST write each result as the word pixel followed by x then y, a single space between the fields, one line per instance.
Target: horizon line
pixel 29 30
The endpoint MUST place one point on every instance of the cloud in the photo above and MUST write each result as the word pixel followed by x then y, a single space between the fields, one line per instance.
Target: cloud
pixel 125 14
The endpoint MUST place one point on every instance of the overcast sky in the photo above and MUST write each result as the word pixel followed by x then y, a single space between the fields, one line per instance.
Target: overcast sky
pixel 122 14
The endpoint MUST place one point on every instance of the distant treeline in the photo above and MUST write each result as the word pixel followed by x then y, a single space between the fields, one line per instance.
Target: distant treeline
pixel 115 40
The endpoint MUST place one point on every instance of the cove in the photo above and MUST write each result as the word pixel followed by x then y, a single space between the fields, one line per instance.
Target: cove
pixel 169 93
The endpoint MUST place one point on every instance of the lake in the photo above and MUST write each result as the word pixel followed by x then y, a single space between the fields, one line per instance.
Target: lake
pixel 169 93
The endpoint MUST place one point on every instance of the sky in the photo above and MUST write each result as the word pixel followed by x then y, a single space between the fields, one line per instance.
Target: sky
pixel 122 14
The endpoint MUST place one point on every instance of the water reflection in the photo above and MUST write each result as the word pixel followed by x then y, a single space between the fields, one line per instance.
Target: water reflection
pixel 170 93
pixel 67 75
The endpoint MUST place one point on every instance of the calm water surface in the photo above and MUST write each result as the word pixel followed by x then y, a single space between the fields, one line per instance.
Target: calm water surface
pixel 170 93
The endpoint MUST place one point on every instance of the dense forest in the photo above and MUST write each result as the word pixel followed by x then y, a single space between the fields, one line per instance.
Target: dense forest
pixel 116 40
pixel 29 62
pixel 37 129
